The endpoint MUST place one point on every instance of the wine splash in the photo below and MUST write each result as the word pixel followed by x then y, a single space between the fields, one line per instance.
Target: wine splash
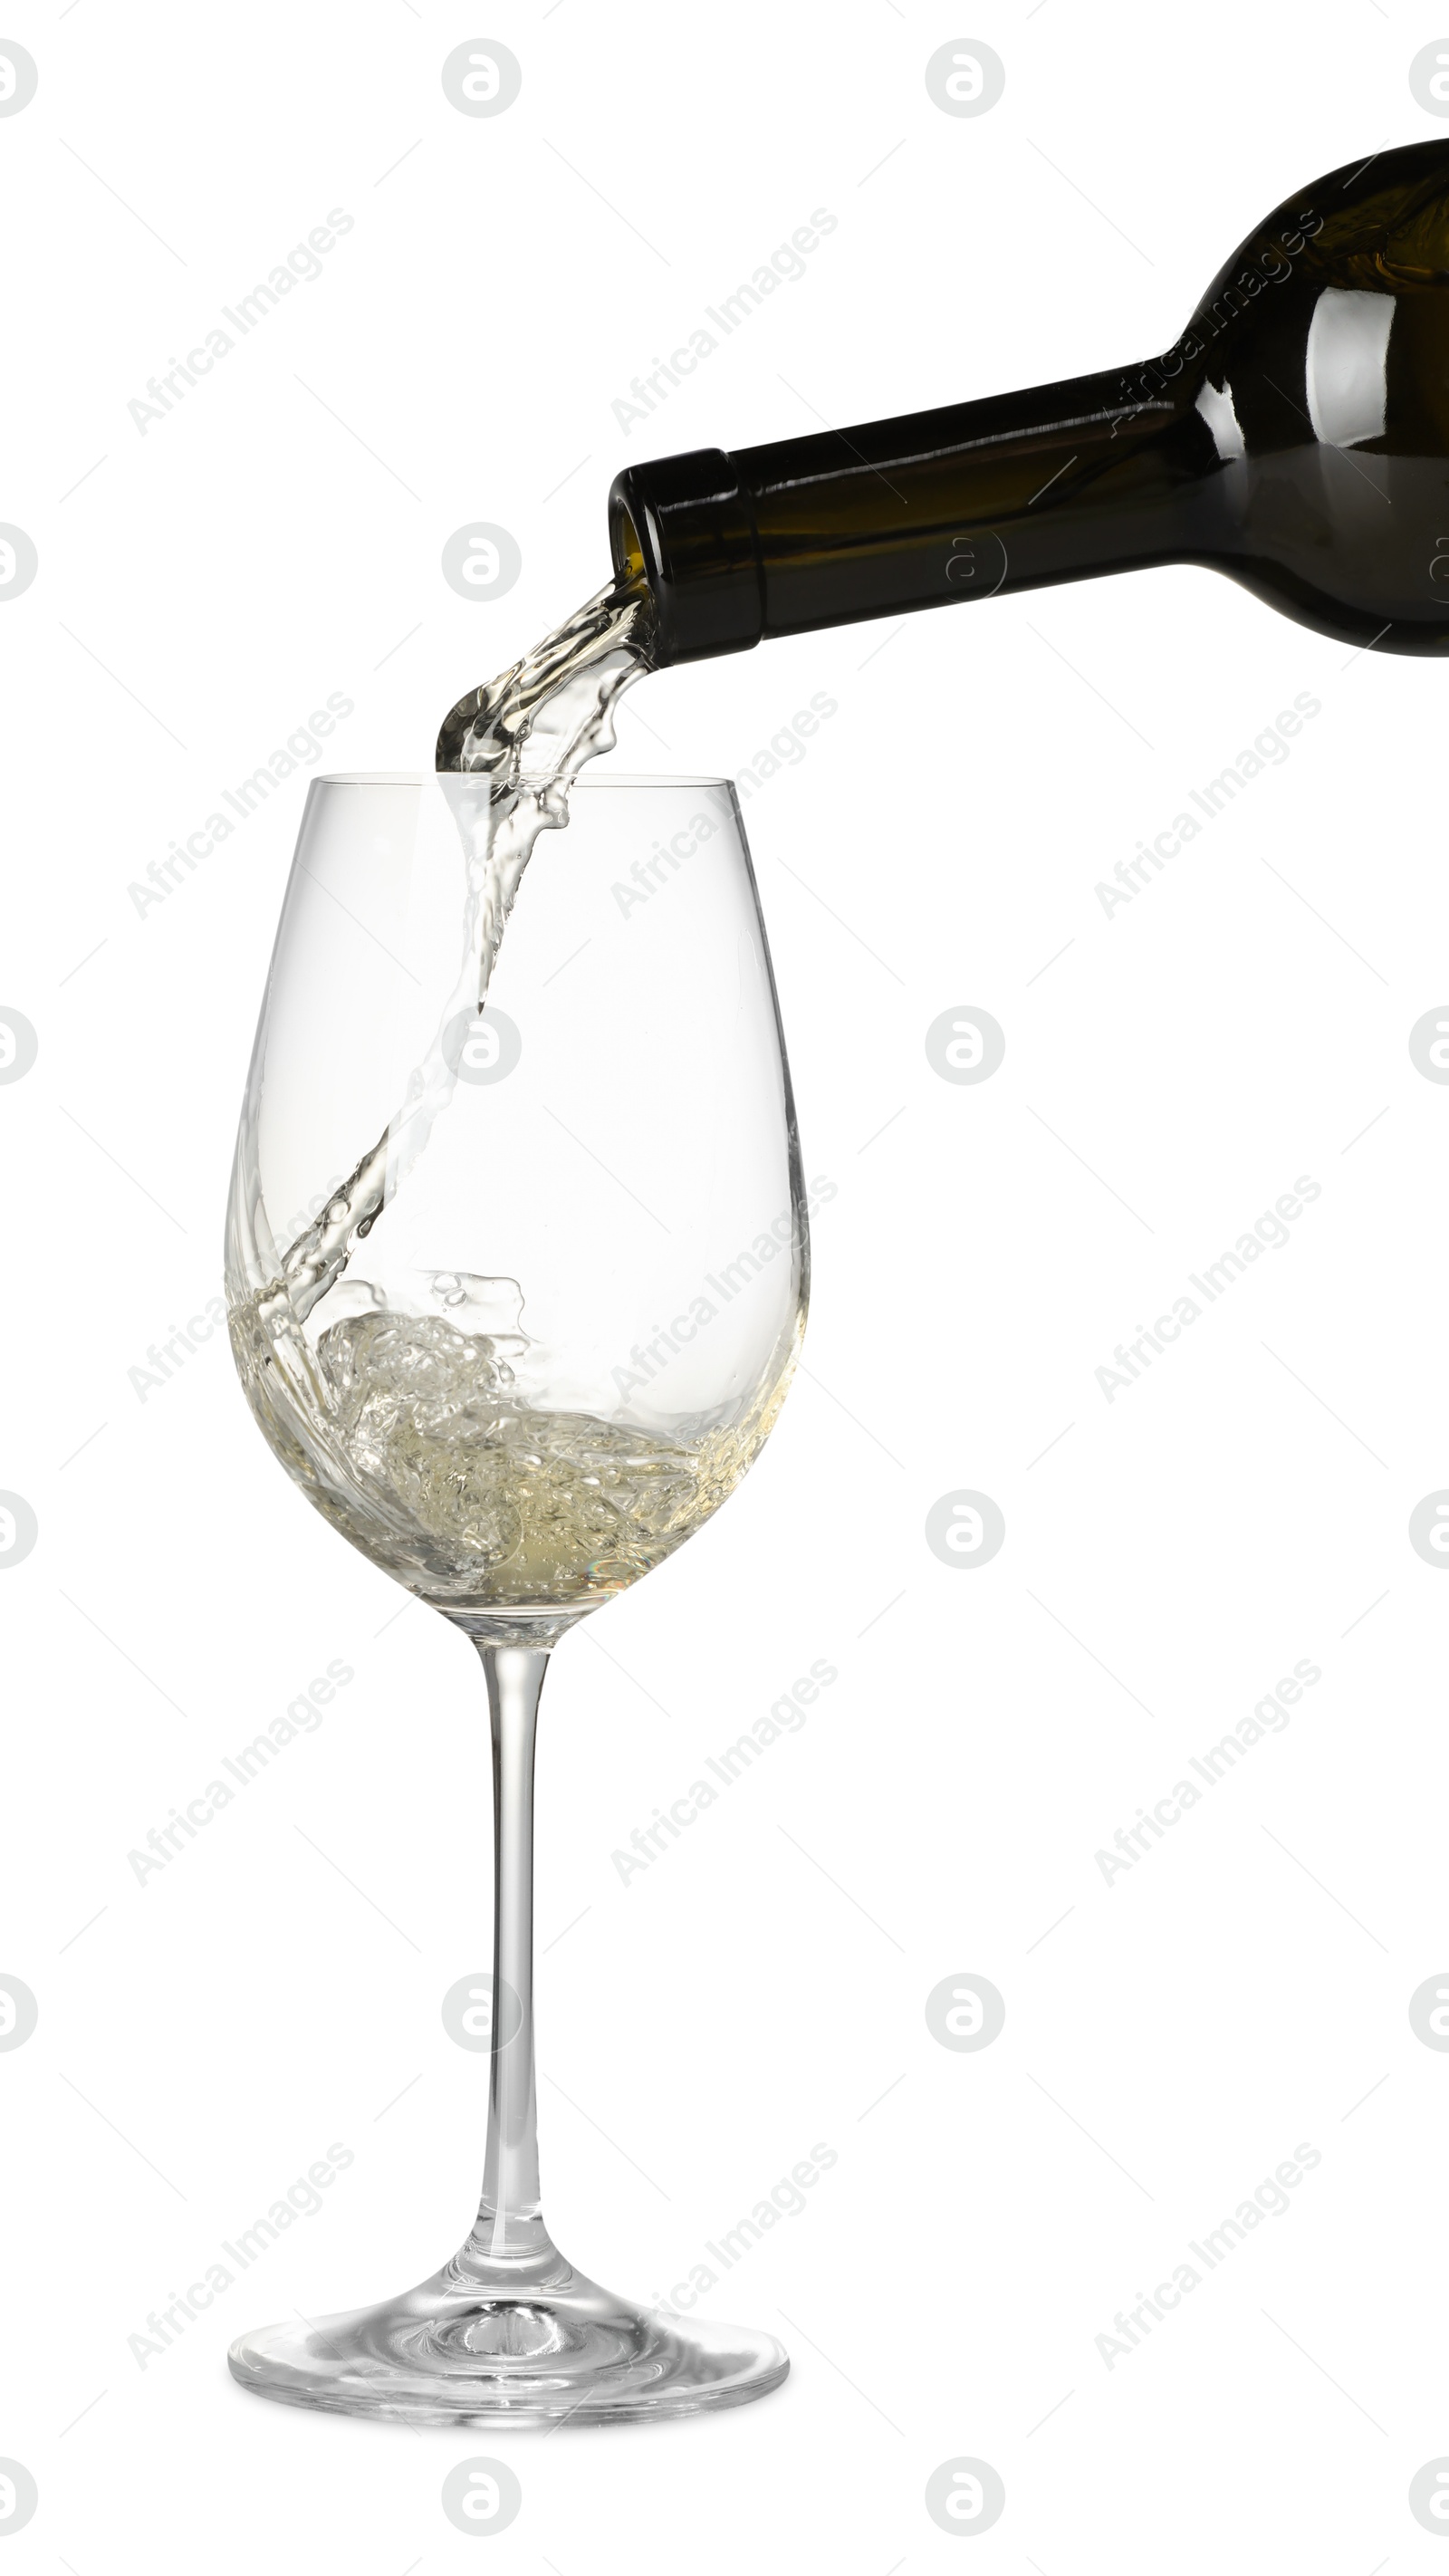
pixel 462 1488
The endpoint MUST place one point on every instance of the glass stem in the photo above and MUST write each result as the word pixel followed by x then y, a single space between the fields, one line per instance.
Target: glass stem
pixel 509 2225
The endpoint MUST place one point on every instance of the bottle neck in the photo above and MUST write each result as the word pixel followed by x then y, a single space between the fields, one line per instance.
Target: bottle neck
pixel 1099 474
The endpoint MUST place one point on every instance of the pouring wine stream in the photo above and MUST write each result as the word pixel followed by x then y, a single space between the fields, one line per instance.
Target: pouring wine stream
pixel 524 736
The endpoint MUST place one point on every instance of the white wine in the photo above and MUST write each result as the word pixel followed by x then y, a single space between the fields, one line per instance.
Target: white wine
pixel 494 1501
pixel 412 1436
pixel 405 1422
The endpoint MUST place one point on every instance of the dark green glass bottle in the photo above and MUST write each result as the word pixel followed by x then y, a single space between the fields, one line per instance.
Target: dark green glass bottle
pixel 1296 438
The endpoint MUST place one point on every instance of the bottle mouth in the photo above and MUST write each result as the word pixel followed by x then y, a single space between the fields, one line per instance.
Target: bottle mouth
pixel 683 526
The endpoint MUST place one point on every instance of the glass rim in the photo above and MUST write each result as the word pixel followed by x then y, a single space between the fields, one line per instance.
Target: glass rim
pixel 420 778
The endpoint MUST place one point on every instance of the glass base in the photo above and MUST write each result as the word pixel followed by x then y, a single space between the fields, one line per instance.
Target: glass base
pixel 507 2346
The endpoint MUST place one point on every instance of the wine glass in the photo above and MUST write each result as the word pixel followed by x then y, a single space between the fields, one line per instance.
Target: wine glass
pixel 565 1322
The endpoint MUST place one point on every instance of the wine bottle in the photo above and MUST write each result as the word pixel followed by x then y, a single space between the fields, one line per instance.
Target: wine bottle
pixel 1296 438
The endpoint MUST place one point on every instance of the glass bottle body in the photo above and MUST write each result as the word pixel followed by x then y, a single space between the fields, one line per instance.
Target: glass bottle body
pixel 1295 437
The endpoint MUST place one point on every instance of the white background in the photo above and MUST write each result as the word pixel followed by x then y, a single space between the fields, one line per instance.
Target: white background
pixel 1169 2038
